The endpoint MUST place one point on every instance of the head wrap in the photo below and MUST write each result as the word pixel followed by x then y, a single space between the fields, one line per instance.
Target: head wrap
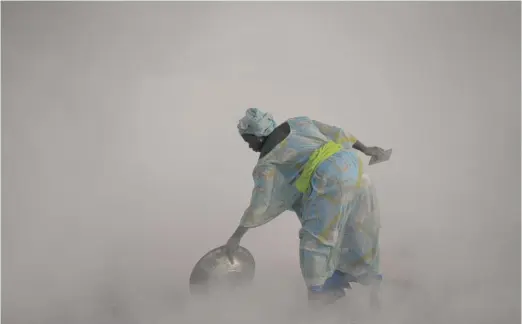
pixel 256 123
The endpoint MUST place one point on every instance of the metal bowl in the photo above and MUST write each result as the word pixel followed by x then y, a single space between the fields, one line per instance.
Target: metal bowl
pixel 215 271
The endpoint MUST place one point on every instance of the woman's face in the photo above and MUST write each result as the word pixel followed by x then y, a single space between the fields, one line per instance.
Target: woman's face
pixel 254 142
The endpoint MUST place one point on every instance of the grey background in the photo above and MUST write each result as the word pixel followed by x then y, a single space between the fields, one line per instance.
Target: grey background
pixel 121 163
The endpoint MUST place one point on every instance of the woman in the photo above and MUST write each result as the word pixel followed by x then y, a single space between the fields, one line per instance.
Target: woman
pixel 312 169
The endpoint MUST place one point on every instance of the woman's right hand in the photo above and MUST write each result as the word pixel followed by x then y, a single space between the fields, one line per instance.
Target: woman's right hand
pixel 233 242
pixel 231 247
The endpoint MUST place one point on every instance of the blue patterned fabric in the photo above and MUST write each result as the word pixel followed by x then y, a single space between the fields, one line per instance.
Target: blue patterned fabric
pixel 255 122
pixel 339 214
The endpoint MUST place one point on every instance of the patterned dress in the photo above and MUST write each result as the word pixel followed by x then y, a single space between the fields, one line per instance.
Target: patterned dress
pixel 339 213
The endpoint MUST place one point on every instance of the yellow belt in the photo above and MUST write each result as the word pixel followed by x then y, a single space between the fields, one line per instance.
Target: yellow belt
pixel 317 157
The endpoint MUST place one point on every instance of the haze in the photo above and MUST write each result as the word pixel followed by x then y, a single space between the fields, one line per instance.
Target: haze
pixel 122 166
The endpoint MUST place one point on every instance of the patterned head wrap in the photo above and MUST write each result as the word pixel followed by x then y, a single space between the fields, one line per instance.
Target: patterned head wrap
pixel 256 122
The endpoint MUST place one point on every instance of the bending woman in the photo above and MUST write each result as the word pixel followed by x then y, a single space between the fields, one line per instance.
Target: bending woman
pixel 313 169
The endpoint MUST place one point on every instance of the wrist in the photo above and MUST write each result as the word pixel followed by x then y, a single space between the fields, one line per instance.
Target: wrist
pixel 364 150
pixel 360 147
pixel 240 231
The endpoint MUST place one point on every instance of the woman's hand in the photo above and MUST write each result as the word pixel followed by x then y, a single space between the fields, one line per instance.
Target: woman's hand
pixel 231 247
pixel 233 242
pixel 373 151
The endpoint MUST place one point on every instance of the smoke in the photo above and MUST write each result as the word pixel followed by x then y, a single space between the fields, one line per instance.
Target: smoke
pixel 122 165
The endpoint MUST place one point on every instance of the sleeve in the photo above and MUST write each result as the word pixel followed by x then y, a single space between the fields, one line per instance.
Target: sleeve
pixel 262 208
pixel 336 134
